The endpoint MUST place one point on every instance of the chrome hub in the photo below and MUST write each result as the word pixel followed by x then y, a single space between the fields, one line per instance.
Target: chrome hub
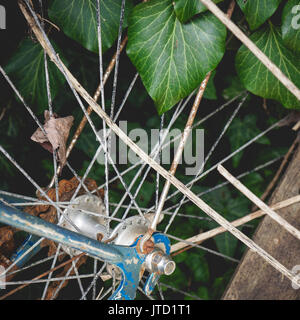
pixel 87 213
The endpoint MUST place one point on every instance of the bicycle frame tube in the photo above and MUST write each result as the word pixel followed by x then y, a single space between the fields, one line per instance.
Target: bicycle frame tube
pixel 128 259
pixel 24 221
pixel 30 240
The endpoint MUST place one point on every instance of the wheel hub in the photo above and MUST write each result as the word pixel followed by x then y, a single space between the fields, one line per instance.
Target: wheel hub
pixel 87 214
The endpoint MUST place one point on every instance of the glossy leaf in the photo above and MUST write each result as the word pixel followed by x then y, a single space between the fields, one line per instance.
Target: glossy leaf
pixel 27 71
pixel 255 76
pixel 222 200
pixel 241 131
pixel 210 91
pixel 78 20
pixel 172 58
pixel 291 25
pixel 234 87
pixel 231 207
pixel 258 11
pixel 255 182
pixel 226 243
pixel 186 9
pixel 199 267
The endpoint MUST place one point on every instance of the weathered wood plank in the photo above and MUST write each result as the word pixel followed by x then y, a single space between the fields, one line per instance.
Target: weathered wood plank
pixel 254 277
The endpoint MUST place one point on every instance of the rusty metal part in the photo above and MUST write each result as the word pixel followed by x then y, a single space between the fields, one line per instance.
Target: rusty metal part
pixel 66 189
pixel 100 236
pixel 148 246
pixel 110 239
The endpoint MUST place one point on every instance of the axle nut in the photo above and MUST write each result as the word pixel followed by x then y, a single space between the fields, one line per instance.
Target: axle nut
pixel 159 262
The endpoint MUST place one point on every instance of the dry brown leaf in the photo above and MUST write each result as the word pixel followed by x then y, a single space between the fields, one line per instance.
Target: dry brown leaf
pixel 57 132
pixel 6 234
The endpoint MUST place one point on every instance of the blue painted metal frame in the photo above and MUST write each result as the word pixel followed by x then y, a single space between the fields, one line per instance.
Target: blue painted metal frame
pixel 29 242
pixel 128 259
pixel 154 277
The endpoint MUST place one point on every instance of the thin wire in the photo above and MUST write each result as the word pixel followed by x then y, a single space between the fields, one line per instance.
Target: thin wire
pixel 50 274
pixel 203 248
pixel 31 265
pixel 220 185
pixel 114 90
pixel 224 159
pixel 159 158
pixel 207 158
pixel 94 285
pixel 54 294
pixel 216 110
pixel 36 185
pixel 180 291
pixel 93 281
pixel 77 274
pixel 154 154
pixel 83 276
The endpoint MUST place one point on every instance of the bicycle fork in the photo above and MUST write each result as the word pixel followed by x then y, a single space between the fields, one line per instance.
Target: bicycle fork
pixel 128 258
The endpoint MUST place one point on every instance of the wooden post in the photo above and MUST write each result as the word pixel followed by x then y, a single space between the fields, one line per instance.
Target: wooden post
pixel 254 278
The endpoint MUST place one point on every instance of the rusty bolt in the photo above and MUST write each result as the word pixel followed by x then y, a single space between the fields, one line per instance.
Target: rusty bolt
pixel 148 247
pixel 100 236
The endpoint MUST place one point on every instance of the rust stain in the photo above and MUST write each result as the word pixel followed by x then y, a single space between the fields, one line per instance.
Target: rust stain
pixel 66 189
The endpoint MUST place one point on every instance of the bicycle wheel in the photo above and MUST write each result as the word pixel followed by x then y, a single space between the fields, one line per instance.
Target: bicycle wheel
pixel 121 198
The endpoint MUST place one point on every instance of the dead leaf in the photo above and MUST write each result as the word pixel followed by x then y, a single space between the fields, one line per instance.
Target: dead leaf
pixel 6 234
pixel 57 132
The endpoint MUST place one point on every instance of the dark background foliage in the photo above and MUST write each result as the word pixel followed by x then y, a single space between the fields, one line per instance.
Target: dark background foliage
pixel 198 272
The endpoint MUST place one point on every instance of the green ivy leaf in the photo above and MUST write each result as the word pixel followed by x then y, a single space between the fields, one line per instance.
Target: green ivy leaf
pixel 210 92
pixel 234 87
pixel 78 20
pixel 231 207
pixel 226 243
pixel 199 267
pixel 255 76
pixel 177 278
pixel 27 71
pixel 255 182
pixel 258 11
pixel 269 153
pixel 220 283
pixel 222 200
pixel 291 25
pixel 172 58
pixel 242 131
pixel 186 9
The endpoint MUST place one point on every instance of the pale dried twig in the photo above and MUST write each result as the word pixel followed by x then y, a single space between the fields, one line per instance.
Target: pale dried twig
pixel 279 171
pixel 250 195
pixel 249 217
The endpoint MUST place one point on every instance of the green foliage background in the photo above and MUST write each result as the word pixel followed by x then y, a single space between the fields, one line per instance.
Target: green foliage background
pixel 173 46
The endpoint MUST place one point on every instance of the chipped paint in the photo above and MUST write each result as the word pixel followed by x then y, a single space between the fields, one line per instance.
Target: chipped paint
pixel 127 259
